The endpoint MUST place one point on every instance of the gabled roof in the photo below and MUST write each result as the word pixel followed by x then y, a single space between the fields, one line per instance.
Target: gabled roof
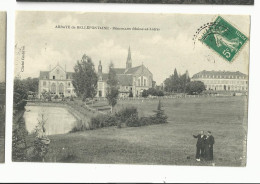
pixel 125 80
pixel 133 70
pixel 44 75
pixel 119 70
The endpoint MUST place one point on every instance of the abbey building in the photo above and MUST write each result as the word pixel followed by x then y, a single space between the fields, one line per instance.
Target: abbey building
pixel 131 80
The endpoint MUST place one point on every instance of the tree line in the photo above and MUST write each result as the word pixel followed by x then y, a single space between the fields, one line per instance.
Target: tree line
pixel 177 83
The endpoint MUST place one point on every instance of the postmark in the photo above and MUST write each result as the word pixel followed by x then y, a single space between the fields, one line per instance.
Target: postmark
pixel 224 39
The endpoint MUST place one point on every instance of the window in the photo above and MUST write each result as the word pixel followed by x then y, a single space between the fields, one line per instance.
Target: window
pixel 144 82
pixel 53 77
pixel 53 88
pixel 44 83
pixel 61 89
pixel 139 82
pixel 69 84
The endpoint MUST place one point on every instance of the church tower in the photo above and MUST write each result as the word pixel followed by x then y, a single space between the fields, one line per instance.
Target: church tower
pixel 129 59
pixel 99 68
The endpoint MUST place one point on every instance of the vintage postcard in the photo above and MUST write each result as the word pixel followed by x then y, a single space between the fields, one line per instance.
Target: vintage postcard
pixel 227 2
pixel 128 88
pixel 2 84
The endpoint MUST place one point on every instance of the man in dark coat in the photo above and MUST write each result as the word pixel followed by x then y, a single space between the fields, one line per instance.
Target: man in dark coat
pixel 200 145
pixel 209 141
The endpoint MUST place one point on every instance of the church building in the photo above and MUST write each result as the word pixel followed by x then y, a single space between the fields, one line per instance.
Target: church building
pixel 131 80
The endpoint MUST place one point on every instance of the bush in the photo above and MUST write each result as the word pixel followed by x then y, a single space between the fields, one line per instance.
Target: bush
pixel 144 121
pixel 145 93
pixel 101 121
pixel 124 114
pixel 133 121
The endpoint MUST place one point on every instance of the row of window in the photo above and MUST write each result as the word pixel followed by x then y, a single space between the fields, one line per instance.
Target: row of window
pixel 54 77
pixel 224 82
pixel 45 84
pixel 221 76
pixel 226 88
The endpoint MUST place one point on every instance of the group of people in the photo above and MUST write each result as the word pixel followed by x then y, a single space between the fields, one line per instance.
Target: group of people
pixel 204 146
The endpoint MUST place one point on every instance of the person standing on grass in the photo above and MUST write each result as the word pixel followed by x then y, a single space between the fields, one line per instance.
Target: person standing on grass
pixel 209 141
pixel 200 152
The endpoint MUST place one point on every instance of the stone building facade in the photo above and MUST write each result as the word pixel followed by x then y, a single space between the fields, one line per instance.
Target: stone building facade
pixel 222 80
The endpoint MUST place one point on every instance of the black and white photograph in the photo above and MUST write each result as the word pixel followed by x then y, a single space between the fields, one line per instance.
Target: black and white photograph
pixel 2 84
pixel 101 88
pixel 210 2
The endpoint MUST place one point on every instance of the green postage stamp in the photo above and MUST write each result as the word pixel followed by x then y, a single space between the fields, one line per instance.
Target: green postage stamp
pixel 224 38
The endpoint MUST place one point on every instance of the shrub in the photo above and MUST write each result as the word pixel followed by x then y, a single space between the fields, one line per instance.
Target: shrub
pixel 133 121
pixel 144 121
pixel 103 121
pixel 124 114
pixel 145 93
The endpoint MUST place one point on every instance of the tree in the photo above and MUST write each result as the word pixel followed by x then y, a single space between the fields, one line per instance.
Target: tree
pixel 145 93
pixel 20 95
pixel 85 78
pixel 160 117
pixel 195 87
pixel 112 89
pixel 176 83
pixel 31 84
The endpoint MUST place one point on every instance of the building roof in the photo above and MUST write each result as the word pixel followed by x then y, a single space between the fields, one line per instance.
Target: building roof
pixel 133 70
pixel 44 75
pixel 125 80
pixel 222 74
pixel 119 70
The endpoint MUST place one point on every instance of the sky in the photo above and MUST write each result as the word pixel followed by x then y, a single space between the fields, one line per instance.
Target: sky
pixel 2 45
pixel 40 45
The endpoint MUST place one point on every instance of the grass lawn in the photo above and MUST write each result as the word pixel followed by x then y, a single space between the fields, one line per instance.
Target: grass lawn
pixel 168 144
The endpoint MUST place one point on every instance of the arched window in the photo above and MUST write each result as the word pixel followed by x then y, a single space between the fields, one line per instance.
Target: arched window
pixel 61 88
pixel 53 88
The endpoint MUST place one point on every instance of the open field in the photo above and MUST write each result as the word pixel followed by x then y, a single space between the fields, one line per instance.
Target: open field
pixel 170 143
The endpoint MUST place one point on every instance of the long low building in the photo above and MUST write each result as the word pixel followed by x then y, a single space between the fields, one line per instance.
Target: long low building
pixel 222 80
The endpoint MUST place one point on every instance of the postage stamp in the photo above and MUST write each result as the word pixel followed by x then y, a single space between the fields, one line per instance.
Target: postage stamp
pixel 224 38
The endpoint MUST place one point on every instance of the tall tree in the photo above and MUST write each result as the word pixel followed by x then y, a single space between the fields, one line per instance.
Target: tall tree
pixel 112 89
pixel 85 78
